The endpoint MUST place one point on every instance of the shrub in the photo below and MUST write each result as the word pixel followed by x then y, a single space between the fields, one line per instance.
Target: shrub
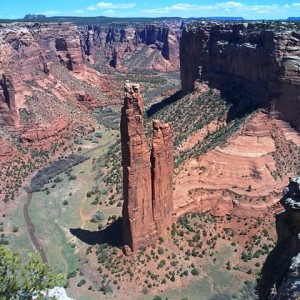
pixel 81 282
pixel 72 177
pixel 15 229
pixel 98 216
pixel 160 250
pixel 195 272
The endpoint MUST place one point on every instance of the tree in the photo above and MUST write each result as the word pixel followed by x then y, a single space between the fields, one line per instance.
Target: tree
pixel 8 273
pixel 25 280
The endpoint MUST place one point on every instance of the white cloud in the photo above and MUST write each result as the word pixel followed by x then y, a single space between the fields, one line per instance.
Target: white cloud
pixel 234 8
pixel 79 11
pixel 91 8
pixel 262 12
pixel 193 7
pixel 109 11
pixel 109 6
pixel 268 8
pixel 104 5
pixel 126 5
pixel 51 12
pixel 183 6
pixel 230 4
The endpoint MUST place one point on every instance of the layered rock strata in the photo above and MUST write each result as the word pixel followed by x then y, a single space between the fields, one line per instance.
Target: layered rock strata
pixel 257 64
pixel 162 168
pixel 26 52
pixel 147 182
pixel 156 45
pixel 9 114
pixel 26 49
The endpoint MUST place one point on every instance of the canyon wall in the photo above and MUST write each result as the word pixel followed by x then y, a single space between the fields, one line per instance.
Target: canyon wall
pixel 27 48
pixel 151 46
pixel 9 114
pixel 147 182
pixel 281 272
pixel 259 66
pixel 26 52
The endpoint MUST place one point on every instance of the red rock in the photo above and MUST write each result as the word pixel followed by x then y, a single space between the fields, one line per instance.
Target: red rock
pixel 8 111
pixel 162 167
pixel 43 135
pixel 138 223
pixel 6 150
pixel 26 51
pixel 121 45
pixel 85 98
pixel 261 66
pixel 147 187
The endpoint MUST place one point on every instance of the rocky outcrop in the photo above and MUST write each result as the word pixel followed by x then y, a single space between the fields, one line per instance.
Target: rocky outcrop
pixel 258 66
pixel 8 111
pixel 26 52
pixel 138 223
pixel 28 48
pixel 43 136
pixel 156 45
pixel 281 271
pixel 85 98
pixel 6 150
pixel 147 187
pixel 162 168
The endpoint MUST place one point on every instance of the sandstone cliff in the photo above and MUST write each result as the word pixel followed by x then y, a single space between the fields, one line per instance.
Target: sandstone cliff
pixel 152 46
pixel 28 48
pixel 258 66
pixel 147 188
pixel 26 52
pixel 9 114
pixel 45 85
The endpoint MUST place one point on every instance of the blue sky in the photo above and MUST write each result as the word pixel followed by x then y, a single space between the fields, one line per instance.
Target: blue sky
pixel 263 9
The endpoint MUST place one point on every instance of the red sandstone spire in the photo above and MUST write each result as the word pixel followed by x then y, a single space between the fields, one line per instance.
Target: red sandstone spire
pixel 147 187
pixel 137 208
pixel 162 168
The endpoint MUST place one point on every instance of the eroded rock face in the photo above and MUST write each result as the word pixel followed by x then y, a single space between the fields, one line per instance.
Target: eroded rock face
pixel 43 136
pixel 26 51
pixel 147 187
pixel 8 111
pixel 138 223
pixel 281 271
pixel 157 43
pixel 162 168
pixel 288 222
pixel 85 98
pixel 27 48
pixel 260 65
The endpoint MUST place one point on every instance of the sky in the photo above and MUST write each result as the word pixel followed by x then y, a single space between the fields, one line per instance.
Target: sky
pixel 260 9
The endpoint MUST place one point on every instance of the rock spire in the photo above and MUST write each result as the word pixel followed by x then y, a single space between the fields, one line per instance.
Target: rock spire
pixel 147 179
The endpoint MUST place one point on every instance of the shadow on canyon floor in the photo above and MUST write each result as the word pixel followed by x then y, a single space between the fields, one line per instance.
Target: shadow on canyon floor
pixel 239 106
pixel 111 235
pixel 160 105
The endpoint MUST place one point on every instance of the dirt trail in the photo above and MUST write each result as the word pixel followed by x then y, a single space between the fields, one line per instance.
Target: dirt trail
pixel 83 217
